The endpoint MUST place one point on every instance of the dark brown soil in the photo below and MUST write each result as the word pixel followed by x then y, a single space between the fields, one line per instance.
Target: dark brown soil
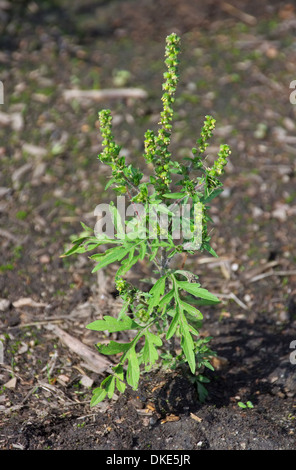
pixel 236 64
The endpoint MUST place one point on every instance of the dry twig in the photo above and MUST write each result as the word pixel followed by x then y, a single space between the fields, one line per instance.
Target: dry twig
pixel 99 95
pixel 93 361
pixel 241 15
pixel 273 273
pixel 232 296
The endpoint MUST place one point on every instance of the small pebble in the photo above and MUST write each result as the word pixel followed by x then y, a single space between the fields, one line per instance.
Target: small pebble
pixel 4 305
pixel 86 381
pixel 44 259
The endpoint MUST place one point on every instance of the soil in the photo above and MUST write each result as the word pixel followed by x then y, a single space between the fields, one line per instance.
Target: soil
pixel 237 64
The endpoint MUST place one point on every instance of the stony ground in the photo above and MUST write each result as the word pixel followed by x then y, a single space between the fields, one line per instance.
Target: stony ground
pixel 237 64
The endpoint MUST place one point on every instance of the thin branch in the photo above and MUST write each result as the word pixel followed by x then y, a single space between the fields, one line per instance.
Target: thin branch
pixel 232 296
pixel 272 273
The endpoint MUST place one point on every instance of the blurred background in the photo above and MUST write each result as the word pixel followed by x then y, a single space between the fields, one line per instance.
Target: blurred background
pixel 237 62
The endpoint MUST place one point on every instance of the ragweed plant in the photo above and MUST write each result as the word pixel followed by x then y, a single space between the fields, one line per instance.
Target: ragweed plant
pixel 164 321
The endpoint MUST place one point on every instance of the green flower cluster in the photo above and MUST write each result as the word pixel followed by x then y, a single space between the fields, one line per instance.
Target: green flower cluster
pixel 209 176
pixel 202 143
pixel 132 298
pixel 206 134
pixel 169 86
pixel 123 176
pixel 110 154
pixel 218 167
pixel 126 290
pixel 157 146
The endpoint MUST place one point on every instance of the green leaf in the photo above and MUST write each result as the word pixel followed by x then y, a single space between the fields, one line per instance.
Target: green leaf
pixel 111 181
pixel 210 249
pixel 111 256
pixel 168 244
pixel 208 365
pixel 187 343
pixel 202 392
pixel 111 324
pixel 102 239
pixel 173 325
pixel 174 195
pixel 113 348
pixel 85 227
pixel 166 298
pixel 108 385
pixel 192 330
pixel 203 379
pixel 81 245
pixel 97 256
pixel 199 302
pixel 185 273
pixel 160 208
pixel 241 404
pixel 192 310
pixel 72 250
pixel 143 250
pixel 131 254
pixel 186 284
pixel 89 247
pixel 150 354
pixel 154 250
pixel 79 240
pixel 116 218
pixel 123 310
pixel 156 291
pixel 133 369
pixel 99 395
pixel 119 382
pixel 212 195
pixel 194 289
pixel 126 266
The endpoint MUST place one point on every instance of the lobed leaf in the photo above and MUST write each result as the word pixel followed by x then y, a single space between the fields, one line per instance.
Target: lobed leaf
pixel 192 310
pixel 212 195
pixel 187 343
pixel 133 369
pixel 166 299
pixel 113 348
pixel 150 354
pixel 194 289
pixel 156 292
pixel 173 326
pixel 111 256
pixel 127 265
pixel 112 325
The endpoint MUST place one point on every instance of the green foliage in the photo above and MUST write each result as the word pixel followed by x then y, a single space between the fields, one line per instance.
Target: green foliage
pixel 249 404
pixel 164 322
